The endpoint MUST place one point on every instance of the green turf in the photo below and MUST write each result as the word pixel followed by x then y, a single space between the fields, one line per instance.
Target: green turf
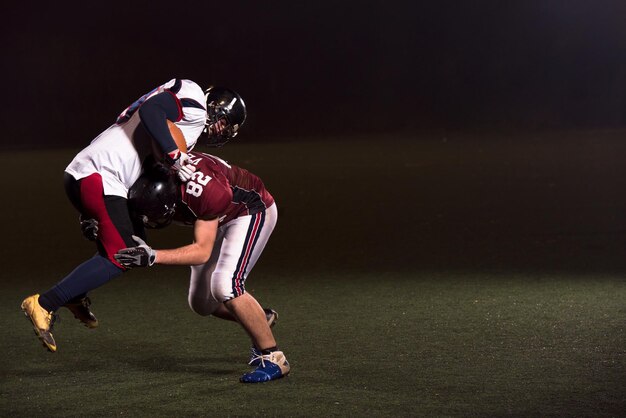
pixel 484 277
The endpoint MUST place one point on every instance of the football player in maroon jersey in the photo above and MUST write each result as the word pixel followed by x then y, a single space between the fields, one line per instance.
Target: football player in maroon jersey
pixel 233 216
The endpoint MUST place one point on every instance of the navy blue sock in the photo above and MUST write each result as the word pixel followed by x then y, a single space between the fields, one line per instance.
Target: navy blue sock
pixel 90 275
pixel 269 350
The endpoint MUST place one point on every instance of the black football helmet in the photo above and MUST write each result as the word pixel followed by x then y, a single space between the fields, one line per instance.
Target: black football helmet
pixel 152 198
pixel 223 103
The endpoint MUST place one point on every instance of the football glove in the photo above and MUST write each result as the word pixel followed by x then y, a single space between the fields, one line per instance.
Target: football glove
pixel 185 172
pixel 176 156
pixel 178 161
pixel 139 256
pixel 89 228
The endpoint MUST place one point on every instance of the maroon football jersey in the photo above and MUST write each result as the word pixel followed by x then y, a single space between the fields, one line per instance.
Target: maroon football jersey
pixel 218 189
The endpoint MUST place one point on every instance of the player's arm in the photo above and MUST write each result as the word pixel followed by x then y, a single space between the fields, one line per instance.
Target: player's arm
pixel 198 252
pixel 158 115
pixel 204 233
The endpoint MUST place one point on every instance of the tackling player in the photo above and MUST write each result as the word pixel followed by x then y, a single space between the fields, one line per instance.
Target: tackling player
pixel 233 216
pixel 167 121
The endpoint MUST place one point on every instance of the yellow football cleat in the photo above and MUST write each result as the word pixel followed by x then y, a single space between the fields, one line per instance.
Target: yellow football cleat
pixel 42 321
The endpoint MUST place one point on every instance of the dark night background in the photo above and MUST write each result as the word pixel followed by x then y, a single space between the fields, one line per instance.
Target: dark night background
pixel 310 69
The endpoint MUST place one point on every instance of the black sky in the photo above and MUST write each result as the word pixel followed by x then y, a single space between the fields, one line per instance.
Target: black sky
pixel 319 68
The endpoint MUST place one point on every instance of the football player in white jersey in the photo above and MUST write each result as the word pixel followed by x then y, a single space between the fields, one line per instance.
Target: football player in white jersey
pixel 163 124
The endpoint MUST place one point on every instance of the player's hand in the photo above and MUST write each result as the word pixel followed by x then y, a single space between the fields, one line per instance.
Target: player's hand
pixel 139 256
pixel 179 161
pixel 185 172
pixel 89 228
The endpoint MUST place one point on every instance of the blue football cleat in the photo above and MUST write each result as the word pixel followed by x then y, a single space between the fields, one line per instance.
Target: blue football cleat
pixel 272 366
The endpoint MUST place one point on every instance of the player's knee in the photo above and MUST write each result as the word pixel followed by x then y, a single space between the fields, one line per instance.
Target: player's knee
pixel 202 307
pixel 112 264
pixel 223 290
pixel 117 264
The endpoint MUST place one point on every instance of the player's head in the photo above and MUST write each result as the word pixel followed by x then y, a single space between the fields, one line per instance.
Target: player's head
pixel 226 112
pixel 152 198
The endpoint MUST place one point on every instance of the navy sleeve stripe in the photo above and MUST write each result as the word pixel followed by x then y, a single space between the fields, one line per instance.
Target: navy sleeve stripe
pixel 191 103
pixel 179 106
pixel 176 87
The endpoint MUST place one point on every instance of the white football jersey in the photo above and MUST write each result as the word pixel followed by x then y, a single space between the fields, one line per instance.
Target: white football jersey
pixel 118 152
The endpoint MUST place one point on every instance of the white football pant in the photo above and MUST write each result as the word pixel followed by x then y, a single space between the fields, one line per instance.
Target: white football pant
pixel 237 248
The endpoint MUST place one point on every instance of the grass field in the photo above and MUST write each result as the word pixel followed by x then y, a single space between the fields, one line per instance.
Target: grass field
pixel 465 276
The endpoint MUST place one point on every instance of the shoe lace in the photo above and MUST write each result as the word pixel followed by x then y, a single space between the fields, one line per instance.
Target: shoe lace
pixel 262 358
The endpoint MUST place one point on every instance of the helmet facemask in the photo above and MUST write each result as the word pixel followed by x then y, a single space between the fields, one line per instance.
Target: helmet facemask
pixel 215 138
pixel 226 107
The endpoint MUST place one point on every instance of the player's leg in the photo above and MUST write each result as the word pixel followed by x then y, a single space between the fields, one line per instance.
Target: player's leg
pixel 80 305
pixel 252 318
pixel 200 299
pixel 115 232
pixel 245 239
pixel 271 316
